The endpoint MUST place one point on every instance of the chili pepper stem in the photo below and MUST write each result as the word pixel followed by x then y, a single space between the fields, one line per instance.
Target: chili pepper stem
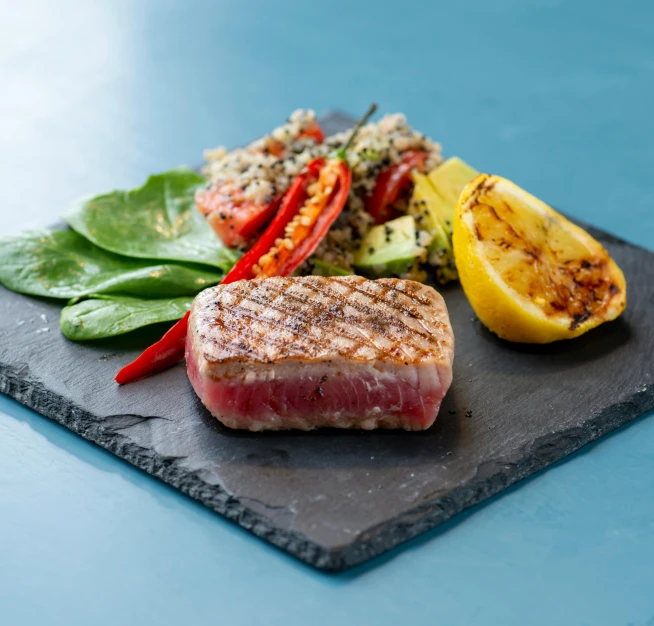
pixel 340 154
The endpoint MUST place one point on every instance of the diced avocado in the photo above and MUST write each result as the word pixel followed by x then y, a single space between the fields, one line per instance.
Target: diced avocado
pixel 390 248
pixel 432 203
pixel 422 206
pixel 322 268
pixel 449 179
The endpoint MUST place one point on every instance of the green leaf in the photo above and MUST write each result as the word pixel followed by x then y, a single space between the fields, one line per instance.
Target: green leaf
pixel 62 264
pixel 107 316
pixel 156 221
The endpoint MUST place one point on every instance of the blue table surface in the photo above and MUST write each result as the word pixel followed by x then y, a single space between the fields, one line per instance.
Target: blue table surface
pixel 557 95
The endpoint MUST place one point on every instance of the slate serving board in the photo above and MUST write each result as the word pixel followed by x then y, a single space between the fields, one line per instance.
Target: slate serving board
pixel 337 498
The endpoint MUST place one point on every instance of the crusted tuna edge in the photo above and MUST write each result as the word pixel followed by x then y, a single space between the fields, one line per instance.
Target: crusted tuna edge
pixel 428 382
pixel 294 367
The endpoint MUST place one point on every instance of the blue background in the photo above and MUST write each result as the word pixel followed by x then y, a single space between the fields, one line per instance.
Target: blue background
pixel 556 95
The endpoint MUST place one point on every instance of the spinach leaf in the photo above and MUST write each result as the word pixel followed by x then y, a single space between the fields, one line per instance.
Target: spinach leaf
pixel 62 264
pixel 156 221
pixel 107 316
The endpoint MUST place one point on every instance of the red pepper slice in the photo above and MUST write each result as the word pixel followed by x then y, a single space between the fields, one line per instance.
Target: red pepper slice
pixel 312 203
pixel 243 269
pixel 271 255
pixel 390 183
pixel 168 351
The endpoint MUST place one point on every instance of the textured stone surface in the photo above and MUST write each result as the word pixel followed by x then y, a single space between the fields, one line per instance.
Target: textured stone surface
pixel 331 498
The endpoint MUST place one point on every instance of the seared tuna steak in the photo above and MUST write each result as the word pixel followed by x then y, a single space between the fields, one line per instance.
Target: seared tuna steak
pixel 308 352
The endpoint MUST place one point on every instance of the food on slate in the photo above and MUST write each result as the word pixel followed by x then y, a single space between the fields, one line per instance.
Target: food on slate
pixel 307 352
pixel 245 186
pixel 151 243
pixel 531 275
pixel 288 203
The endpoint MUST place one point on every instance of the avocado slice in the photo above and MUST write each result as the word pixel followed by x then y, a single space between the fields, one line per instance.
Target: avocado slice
pixel 322 268
pixel 432 204
pixel 423 206
pixel 449 179
pixel 389 249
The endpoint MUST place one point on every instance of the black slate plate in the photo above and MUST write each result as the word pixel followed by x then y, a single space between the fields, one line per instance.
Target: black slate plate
pixel 333 498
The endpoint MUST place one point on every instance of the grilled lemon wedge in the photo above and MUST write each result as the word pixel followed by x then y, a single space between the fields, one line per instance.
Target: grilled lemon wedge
pixel 530 275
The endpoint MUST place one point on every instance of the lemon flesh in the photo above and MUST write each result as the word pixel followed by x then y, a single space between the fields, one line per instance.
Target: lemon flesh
pixel 530 275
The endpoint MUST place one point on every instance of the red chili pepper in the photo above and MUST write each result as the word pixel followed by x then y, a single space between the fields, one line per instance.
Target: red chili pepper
pixel 168 351
pixel 390 183
pixel 300 223
pixel 312 203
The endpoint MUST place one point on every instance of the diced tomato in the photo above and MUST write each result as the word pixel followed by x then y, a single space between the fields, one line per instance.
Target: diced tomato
pixel 313 131
pixel 276 148
pixel 234 218
pixel 390 184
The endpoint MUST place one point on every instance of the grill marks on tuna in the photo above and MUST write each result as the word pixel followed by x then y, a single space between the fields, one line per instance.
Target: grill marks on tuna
pixel 252 344
pixel 285 318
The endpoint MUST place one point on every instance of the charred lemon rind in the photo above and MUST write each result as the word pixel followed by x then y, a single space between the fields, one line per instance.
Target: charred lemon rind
pixel 531 317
